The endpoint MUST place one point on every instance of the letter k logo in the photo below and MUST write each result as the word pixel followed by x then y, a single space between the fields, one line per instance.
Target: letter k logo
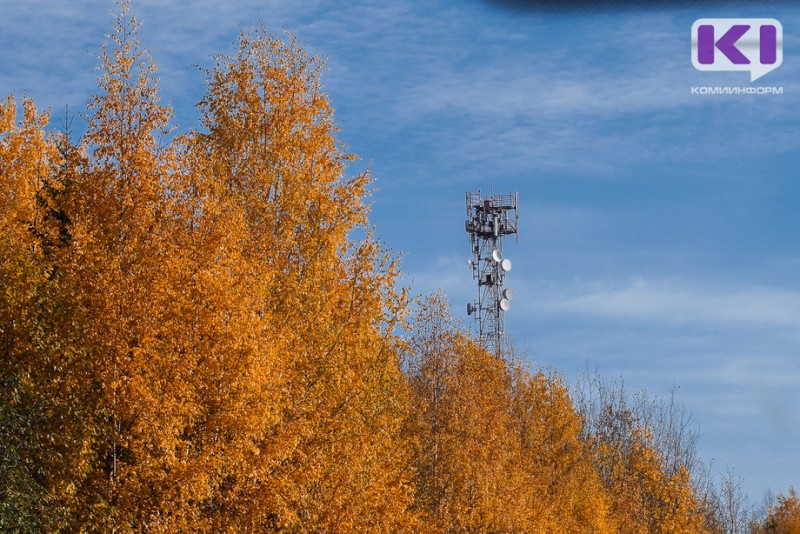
pixel 753 45
pixel 726 44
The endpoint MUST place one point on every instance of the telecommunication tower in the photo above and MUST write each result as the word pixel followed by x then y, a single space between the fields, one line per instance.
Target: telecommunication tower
pixel 489 219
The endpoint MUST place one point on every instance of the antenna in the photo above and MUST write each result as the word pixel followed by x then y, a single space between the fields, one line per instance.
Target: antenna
pixel 489 219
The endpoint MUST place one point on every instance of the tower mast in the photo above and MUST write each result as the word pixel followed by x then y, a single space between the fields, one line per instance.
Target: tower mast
pixel 489 219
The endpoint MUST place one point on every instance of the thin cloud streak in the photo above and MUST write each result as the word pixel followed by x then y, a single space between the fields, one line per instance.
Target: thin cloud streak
pixel 518 108
pixel 678 303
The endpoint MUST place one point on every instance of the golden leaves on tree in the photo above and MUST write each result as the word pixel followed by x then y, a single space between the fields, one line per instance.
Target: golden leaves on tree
pixel 192 338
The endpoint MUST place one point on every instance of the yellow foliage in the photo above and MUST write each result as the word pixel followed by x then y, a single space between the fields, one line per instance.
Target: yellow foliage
pixel 228 346
pixel 783 518
pixel 192 340
pixel 496 449
pixel 644 496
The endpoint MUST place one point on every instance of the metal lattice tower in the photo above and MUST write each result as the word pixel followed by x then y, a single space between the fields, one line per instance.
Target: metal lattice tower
pixel 489 219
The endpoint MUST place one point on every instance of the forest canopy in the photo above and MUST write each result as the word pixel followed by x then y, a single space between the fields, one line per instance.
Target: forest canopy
pixel 199 332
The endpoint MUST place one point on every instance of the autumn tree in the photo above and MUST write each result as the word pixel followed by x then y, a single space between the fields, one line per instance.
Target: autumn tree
pixel 108 249
pixel 312 440
pixel 26 154
pixel 784 517
pixel 200 333
pixel 497 449
pixel 645 454
pixel 565 485
pixel 462 428
pixel 220 351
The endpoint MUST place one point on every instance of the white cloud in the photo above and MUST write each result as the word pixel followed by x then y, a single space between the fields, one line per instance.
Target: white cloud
pixel 681 303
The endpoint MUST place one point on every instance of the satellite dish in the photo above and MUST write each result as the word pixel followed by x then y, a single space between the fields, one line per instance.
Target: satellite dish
pixel 469 262
pixel 504 304
pixel 496 256
pixel 505 265
pixel 470 309
pixel 508 293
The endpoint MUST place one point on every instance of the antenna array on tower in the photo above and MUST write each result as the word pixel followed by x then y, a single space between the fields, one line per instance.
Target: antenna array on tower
pixel 489 219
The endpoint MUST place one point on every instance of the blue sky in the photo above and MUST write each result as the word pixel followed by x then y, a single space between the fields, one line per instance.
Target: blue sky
pixel 659 234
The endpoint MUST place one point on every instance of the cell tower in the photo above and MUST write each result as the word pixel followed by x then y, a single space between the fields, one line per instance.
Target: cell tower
pixel 489 219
